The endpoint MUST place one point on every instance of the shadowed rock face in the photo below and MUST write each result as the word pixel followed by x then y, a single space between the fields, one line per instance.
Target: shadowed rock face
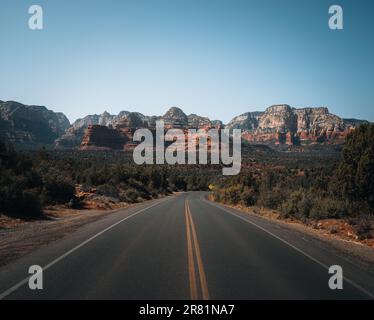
pixel 29 125
pixel 73 136
pixel 175 118
pixel 102 137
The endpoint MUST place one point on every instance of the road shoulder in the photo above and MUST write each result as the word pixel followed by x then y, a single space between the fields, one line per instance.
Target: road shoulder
pixel 354 252
pixel 26 237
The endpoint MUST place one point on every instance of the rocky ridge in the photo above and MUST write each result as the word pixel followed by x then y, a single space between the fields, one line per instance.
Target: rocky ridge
pixel 278 124
pixel 29 125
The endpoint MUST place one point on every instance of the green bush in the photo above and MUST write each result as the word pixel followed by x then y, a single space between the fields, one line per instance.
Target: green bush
pixel 297 205
pixel 130 195
pixel 107 190
pixel 232 194
pixel 248 197
pixel 19 203
pixel 57 189
pixel 356 170
pixel 324 208
pixel 271 198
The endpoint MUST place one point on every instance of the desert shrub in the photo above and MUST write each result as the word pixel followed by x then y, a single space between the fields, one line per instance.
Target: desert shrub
pixel 297 205
pixel 232 194
pixel 57 189
pixel 20 203
pixel 130 195
pixel 19 184
pixel 178 183
pixel 107 190
pixel 29 204
pixel 156 180
pixel 363 226
pixel 324 208
pixel 138 185
pixel 248 197
pixel 217 195
pixel 271 198
pixel 75 203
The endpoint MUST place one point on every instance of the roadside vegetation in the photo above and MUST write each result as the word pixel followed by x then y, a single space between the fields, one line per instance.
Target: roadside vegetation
pixel 298 185
pixel 342 189
pixel 30 181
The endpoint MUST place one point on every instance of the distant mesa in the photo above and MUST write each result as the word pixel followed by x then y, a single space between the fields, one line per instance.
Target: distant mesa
pixel 28 126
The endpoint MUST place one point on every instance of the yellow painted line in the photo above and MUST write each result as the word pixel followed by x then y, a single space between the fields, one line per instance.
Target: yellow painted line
pixel 191 263
pixel 202 276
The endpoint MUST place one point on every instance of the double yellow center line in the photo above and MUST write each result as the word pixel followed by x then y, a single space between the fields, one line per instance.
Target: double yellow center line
pixel 193 250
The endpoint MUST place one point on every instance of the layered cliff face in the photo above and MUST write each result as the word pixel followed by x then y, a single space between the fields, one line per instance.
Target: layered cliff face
pixel 245 121
pixel 30 125
pixel 281 124
pixel 103 138
pixel 173 118
pixel 278 118
pixel 319 124
pixel 104 119
pixel 74 135
pixel 278 124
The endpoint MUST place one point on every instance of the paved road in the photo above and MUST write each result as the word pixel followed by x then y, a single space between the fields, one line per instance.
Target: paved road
pixel 184 247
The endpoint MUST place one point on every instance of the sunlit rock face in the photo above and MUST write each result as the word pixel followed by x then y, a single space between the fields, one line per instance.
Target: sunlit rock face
pixel 278 118
pixel 278 124
pixel 175 118
pixel 246 121
pixel 282 124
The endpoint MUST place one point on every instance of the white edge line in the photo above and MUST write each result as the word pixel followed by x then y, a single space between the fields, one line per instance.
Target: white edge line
pixel 354 284
pixel 24 281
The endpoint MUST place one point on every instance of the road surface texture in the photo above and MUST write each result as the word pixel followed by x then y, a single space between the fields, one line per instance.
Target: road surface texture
pixel 184 247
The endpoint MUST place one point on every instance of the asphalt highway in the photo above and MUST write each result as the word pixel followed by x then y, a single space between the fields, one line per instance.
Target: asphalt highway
pixel 185 247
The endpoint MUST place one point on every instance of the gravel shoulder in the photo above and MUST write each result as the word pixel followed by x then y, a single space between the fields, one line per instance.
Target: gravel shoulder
pixel 19 237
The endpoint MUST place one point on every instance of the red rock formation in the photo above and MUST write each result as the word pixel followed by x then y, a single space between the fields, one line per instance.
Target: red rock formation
pixel 278 124
pixel 98 137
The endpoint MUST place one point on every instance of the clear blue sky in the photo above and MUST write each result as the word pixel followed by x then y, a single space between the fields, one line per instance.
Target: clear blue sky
pixel 211 57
